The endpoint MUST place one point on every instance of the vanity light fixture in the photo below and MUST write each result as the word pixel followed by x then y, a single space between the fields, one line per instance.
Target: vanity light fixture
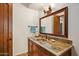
pixel 49 9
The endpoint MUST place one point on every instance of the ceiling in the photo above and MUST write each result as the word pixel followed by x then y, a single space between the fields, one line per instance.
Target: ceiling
pixel 41 6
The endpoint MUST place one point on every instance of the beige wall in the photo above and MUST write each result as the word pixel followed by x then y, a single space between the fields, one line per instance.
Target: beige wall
pixel 22 17
pixel 73 22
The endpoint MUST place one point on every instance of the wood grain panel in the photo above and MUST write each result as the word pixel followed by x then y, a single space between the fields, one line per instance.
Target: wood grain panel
pixel 5 29
pixel 10 29
pixel 56 24
pixel 1 29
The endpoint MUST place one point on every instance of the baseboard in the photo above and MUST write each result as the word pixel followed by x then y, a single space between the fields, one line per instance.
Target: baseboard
pixel 23 54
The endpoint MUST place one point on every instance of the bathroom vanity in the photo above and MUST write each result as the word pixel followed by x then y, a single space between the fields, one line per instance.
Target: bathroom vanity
pixel 51 47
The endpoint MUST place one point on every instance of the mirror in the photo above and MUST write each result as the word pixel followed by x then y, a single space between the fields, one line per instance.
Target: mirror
pixel 55 23
pixel 47 23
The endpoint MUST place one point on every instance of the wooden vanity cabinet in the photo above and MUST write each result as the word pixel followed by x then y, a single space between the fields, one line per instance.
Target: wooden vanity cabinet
pixel 67 53
pixel 36 50
pixel 44 52
pixel 33 49
pixel 29 47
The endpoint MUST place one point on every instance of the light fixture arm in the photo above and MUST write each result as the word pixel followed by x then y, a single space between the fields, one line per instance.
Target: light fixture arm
pixel 48 11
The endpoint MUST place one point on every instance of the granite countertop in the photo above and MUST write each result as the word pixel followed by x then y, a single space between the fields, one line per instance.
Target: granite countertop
pixel 55 47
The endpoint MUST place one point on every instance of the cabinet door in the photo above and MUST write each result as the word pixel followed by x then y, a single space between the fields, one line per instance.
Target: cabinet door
pixel 41 53
pixel 30 46
pixel 35 49
pixel 44 52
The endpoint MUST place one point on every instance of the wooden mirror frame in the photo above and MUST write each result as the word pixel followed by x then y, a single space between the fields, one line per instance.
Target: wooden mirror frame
pixel 65 9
